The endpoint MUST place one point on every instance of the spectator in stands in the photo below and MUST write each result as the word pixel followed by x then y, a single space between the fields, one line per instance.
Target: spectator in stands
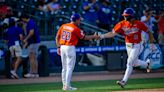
pixel 32 39
pixel 13 37
pixel 53 6
pixel 41 5
pixel 4 10
pixel 148 19
pixel 161 31
pixel 90 7
pixel 25 56
pixel 105 18
pixel 6 20
pixel 105 15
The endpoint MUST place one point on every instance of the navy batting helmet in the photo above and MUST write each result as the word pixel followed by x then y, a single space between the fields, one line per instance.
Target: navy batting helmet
pixel 75 17
pixel 128 12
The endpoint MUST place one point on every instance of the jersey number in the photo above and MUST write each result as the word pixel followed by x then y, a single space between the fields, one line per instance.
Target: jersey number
pixel 66 35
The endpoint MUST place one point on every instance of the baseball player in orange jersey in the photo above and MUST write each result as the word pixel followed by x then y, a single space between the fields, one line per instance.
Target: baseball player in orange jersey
pixel 66 39
pixel 131 29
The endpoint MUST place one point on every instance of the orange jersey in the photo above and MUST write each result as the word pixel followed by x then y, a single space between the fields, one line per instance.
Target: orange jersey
pixel 69 34
pixel 132 33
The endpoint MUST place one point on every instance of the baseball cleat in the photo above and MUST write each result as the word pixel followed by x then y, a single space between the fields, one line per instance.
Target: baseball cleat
pixel 69 88
pixel 14 75
pixel 29 75
pixel 148 66
pixel 121 83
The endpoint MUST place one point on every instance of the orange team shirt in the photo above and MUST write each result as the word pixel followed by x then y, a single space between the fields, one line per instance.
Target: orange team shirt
pixel 132 33
pixel 69 34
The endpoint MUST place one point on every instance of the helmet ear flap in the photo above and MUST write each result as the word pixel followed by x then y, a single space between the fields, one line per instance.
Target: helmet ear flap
pixel 128 12
pixel 73 19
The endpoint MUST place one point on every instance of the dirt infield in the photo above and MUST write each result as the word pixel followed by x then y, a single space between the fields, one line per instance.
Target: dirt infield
pixel 85 76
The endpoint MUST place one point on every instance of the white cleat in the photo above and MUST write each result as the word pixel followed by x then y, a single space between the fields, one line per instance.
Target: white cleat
pixel 14 75
pixel 29 75
pixel 69 88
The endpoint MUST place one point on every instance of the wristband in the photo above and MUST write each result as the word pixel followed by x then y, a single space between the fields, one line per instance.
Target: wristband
pixel 102 36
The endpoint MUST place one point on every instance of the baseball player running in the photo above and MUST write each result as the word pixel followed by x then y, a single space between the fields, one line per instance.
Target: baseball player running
pixel 131 29
pixel 66 40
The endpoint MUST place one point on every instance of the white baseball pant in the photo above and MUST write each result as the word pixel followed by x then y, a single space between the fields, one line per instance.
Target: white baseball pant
pixel 68 58
pixel 133 51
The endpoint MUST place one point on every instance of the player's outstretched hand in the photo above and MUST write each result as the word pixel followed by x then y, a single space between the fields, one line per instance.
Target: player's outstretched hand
pixel 96 36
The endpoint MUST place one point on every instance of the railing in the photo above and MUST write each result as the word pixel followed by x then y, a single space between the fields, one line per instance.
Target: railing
pixel 100 31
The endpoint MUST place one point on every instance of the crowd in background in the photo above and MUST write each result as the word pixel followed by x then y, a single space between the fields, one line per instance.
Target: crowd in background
pixel 21 35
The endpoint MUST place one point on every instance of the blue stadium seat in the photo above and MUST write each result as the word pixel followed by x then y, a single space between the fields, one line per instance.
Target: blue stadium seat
pixel 22 6
pixel 83 12
pixel 40 14
pixel 25 0
pixel 76 8
pixel 76 1
pixel 66 9
pixel 85 0
pixel 63 13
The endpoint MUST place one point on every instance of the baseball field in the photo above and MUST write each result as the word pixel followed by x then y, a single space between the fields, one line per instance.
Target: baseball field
pixel 134 85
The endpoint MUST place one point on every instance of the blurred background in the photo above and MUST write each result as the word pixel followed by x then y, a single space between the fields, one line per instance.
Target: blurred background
pixel 49 15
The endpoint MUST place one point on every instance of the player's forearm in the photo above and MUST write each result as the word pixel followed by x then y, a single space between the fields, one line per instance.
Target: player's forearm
pixel 107 35
pixel 89 37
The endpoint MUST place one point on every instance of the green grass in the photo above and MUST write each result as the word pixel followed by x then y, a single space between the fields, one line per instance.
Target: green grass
pixel 86 86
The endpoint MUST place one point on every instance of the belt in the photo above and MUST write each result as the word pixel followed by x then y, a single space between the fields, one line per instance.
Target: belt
pixel 131 44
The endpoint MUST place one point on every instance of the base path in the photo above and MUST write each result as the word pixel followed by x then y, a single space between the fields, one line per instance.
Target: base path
pixel 86 76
